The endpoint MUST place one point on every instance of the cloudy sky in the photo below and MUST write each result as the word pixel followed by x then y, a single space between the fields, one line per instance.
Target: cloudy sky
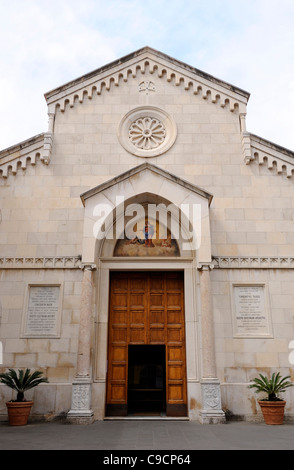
pixel 248 43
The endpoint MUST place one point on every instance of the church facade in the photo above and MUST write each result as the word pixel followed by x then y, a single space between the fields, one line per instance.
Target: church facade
pixel 146 259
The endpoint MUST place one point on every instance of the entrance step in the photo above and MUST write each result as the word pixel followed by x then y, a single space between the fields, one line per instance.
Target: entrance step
pixel 146 417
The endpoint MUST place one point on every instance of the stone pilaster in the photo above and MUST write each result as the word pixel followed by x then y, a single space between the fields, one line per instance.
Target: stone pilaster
pixel 210 385
pixel 246 142
pixel 81 412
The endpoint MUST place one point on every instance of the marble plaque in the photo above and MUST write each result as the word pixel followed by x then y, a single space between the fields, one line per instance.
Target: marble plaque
pixel 42 312
pixel 250 312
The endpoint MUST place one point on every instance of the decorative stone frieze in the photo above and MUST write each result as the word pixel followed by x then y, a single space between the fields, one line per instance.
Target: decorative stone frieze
pixel 218 262
pixel 18 157
pixel 49 262
pixel 154 63
pixel 251 262
pixel 275 157
pixel 28 152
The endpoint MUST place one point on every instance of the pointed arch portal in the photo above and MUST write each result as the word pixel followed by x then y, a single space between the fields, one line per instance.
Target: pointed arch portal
pixel 147 352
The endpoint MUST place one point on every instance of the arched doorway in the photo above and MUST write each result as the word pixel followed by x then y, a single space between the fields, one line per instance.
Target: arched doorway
pixel 143 184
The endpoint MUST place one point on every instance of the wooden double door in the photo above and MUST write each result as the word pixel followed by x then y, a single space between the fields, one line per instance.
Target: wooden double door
pixel 146 344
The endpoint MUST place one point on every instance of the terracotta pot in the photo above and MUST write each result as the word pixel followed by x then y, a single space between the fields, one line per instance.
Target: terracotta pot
pixel 18 412
pixel 273 411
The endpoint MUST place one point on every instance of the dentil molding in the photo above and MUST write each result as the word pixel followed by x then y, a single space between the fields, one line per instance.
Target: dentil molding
pixel 253 262
pixel 48 262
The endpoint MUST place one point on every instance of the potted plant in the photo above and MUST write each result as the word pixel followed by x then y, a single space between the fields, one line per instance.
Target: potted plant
pixel 272 406
pixel 19 409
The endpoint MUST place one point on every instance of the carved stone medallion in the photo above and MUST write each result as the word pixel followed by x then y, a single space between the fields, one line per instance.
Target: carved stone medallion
pixel 147 132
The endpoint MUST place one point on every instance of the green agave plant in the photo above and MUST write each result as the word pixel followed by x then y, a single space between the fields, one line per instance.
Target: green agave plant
pixel 24 380
pixel 273 386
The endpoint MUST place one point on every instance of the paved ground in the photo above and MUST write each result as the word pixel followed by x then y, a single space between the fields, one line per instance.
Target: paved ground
pixel 146 435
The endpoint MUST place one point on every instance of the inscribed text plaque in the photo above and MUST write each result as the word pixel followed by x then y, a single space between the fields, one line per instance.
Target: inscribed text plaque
pixel 42 311
pixel 250 312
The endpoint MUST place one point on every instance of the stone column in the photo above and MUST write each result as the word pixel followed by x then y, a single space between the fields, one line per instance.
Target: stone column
pixel 210 385
pixel 81 412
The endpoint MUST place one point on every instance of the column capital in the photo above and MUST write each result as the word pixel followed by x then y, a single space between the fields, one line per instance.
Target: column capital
pixel 88 267
pixel 206 266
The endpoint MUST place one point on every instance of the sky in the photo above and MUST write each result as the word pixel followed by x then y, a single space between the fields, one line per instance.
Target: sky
pixel 47 43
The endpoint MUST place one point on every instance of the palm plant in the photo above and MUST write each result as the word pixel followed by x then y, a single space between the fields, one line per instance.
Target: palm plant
pixel 24 380
pixel 273 386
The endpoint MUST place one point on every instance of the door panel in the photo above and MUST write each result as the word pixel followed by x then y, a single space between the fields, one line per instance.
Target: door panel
pixel 146 309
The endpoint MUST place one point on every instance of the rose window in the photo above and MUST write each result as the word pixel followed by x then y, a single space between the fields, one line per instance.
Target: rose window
pixel 147 133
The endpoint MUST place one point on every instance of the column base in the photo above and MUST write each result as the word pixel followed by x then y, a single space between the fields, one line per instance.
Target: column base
pixel 80 417
pixel 81 412
pixel 206 417
pixel 211 412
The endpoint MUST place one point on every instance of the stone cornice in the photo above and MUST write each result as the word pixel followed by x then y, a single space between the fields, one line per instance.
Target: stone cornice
pixel 30 151
pixel 157 64
pixel 218 262
pixel 48 262
pixel 253 262
pixel 270 154
pixel 146 52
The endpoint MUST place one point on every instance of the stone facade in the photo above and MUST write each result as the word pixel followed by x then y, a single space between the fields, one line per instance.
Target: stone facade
pixel 151 129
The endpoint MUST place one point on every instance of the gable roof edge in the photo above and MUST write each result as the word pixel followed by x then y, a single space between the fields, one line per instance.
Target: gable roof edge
pixel 266 152
pixel 146 166
pixel 118 72
pixel 136 54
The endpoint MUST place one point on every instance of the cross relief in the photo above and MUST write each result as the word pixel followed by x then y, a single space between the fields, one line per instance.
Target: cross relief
pixel 147 86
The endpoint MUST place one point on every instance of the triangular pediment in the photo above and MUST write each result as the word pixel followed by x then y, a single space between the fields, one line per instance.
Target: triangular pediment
pixel 157 64
pixel 140 186
pixel 139 170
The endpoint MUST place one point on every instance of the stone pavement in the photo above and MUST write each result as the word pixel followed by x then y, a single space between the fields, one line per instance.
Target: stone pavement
pixel 146 435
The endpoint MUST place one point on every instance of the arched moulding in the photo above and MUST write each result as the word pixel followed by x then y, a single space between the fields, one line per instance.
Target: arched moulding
pixel 72 100
pixel 152 67
pixel 89 91
pixel 107 83
pixel 154 124
pixel 20 163
pixel 162 72
pixel 206 93
pixel 143 67
pixel 275 163
pixel 214 96
pixel 188 85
